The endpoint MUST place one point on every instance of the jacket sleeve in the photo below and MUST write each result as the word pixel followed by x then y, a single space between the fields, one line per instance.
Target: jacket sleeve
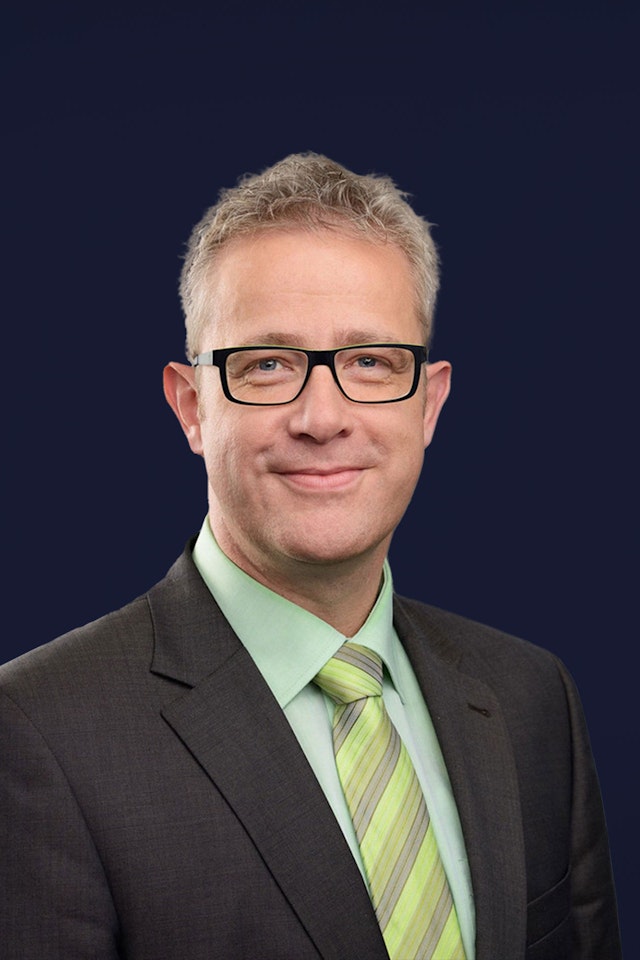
pixel 594 910
pixel 54 897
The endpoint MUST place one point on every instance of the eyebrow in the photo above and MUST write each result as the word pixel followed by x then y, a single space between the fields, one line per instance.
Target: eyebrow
pixel 346 337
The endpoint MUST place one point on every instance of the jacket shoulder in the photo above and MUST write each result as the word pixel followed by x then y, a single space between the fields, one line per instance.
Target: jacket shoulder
pixel 461 635
pixel 120 636
pixel 86 653
pixel 506 663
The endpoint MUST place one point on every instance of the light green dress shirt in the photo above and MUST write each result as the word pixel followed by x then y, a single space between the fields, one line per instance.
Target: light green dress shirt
pixel 289 645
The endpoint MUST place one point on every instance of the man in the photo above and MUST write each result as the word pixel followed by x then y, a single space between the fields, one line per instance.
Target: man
pixel 170 787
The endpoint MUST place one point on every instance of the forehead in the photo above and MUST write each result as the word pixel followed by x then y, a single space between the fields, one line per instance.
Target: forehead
pixel 274 281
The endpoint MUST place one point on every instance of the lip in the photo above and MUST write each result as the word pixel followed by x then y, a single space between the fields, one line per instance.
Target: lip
pixel 335 478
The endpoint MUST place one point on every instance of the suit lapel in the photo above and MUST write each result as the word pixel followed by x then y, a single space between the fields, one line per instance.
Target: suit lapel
pixel 233 726
pixel 481 766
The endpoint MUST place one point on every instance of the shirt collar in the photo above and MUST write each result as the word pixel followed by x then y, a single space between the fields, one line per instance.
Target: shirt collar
pixel 289 645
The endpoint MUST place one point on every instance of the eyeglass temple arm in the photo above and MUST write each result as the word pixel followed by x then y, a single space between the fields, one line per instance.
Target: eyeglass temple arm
pixel 204 359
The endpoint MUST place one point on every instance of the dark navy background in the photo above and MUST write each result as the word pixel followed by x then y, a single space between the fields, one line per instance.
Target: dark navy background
pixel 513 126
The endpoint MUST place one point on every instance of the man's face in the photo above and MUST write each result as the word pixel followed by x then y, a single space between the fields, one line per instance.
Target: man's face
pixel 321 480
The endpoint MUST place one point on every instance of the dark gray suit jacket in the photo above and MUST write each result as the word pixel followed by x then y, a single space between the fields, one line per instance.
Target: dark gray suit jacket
pixel 155 804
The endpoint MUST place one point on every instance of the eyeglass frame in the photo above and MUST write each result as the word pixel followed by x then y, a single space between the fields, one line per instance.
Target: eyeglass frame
pixel 315 358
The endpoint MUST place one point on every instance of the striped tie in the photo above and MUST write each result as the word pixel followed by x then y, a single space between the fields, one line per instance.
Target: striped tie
pixel 408 886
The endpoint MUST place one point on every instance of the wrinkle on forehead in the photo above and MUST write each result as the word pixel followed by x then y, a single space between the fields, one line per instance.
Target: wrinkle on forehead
pixel 344 337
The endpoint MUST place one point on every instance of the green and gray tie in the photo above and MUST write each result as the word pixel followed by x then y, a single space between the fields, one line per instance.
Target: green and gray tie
pixel 407 882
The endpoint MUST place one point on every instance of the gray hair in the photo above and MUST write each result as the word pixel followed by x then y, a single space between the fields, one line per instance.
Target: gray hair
pixel 308 191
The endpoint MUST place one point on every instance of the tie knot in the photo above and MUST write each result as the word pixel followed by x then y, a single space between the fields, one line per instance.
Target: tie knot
pixel 353 673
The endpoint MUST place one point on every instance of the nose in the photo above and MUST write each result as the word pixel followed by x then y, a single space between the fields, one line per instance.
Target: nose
pixel 321 412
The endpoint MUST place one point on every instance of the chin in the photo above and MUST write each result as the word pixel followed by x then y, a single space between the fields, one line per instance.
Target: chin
pixel 325 551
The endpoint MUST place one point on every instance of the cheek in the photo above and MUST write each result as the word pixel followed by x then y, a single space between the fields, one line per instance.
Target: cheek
pixel 234 446
pixel 405 435
pixel 222 445
pixel 407 455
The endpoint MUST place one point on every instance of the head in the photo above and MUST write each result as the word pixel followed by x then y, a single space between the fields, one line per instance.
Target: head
pixel 308 192
pixel 303 490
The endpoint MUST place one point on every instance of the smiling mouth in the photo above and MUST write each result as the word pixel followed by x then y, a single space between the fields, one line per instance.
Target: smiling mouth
pixel 323 479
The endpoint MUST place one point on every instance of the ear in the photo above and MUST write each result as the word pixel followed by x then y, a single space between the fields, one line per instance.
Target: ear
pixel 438 386
pixel 179 381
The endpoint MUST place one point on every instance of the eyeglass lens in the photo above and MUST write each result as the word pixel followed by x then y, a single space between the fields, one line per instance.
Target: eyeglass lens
pixel 276 375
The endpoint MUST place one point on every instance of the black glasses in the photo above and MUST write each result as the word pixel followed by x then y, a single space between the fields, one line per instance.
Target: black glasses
pixel 267 376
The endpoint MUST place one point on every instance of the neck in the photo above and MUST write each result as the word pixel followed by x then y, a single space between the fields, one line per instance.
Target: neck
pixel 342 592
pixel 344 599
